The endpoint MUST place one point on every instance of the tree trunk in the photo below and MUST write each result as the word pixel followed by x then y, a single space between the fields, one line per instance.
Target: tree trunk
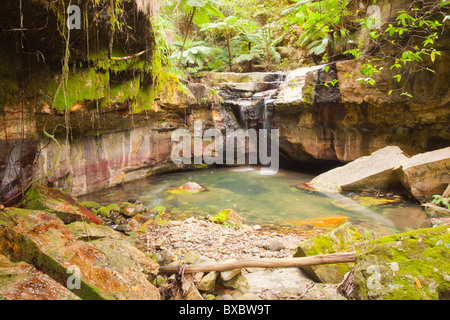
pixel 186 35
pixel 264 263
pixel 229 49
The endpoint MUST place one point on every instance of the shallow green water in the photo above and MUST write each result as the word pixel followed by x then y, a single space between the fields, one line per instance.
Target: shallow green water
pixel 261 199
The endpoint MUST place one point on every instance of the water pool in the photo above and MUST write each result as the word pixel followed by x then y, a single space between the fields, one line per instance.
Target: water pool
pixel 264 198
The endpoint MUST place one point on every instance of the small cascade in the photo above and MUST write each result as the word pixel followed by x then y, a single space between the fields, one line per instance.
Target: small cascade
pixel 252 102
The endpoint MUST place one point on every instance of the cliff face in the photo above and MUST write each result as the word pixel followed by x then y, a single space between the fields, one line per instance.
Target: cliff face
pixel 348 121
pixel 77 86
pixel 114 119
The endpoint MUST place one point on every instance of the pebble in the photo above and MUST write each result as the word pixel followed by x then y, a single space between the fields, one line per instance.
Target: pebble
pixel 218 242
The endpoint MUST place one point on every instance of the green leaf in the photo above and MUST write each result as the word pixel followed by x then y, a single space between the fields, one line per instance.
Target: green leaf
pixel 433 56
pixel 406 94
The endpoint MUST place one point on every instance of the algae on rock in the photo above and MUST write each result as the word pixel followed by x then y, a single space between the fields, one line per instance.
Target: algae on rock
pixel 340 239
pixel 414 265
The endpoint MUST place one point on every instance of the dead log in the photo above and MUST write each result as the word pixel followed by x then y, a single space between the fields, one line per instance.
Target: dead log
pixel 263 263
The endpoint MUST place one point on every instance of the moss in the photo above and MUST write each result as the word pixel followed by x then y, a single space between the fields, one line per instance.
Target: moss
pixel 31 199
pixel 221 217
pixel 113 207
pixel 81 85
pixel 159 209
pixel 423 261
pixel 91 205
pixel 104 212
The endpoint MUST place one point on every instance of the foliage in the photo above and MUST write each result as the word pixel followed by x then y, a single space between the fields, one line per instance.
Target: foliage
pixel 441 201
pixel 195 53
pixel 321 23
pixel 412 36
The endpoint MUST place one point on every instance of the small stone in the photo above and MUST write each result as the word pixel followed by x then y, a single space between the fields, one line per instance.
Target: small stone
pixel 228 275
pixel 208 282
pixel 275 245
pixel 159 281
pixel 124 228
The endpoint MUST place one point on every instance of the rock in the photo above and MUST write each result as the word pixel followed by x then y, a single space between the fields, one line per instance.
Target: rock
pixel 172 96
pixel 208 282
pixel 295 91
pixel 55 201
pixel 332 221
pixel 426 174
pixel 124 256
pixel 364 174
pixel 434 211
pixel 234 77
pixel 354 120
pixel 89 231
pixel 130 209
pixel 159 281
pixel 446 193
pixel 191 186
pixel 337 240
pixel 238 282
pixel 139 222
pixel 187 189
pixel 91 205
pixel 124 228
pixel 414 265
pixel 275 245
pixel 228 216
pixel 229 274
pixel 21 281
pixel 41 239
pixel 104 212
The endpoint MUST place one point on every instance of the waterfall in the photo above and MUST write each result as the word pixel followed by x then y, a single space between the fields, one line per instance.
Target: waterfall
pixel 252 102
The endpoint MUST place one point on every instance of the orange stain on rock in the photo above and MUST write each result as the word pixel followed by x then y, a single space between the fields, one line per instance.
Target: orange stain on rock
pixel 332 221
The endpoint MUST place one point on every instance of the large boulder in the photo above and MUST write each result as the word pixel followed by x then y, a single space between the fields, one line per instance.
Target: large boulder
pixel 41 239
pixel 364 174
pixel 55 201
pixel 340 239
pixel 426 174
pixel 21 281
pixel 297 90
pixel 414 265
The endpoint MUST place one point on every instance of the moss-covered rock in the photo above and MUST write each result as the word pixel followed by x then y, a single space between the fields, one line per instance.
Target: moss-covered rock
pixel 89 231
pixel 91 205
pixel 208 282
pixel 55 201
pixel 130 209
pixel 340 239
pixel 228 217
pixel 41 239
pixel 405 266
pixel 103 212
pixel 124 256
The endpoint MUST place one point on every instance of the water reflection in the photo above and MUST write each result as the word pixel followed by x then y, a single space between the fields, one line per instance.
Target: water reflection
pixel 261 198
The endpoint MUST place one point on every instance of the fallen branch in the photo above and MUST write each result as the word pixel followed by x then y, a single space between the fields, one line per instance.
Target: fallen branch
pixel 264 263
pixel 129 57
